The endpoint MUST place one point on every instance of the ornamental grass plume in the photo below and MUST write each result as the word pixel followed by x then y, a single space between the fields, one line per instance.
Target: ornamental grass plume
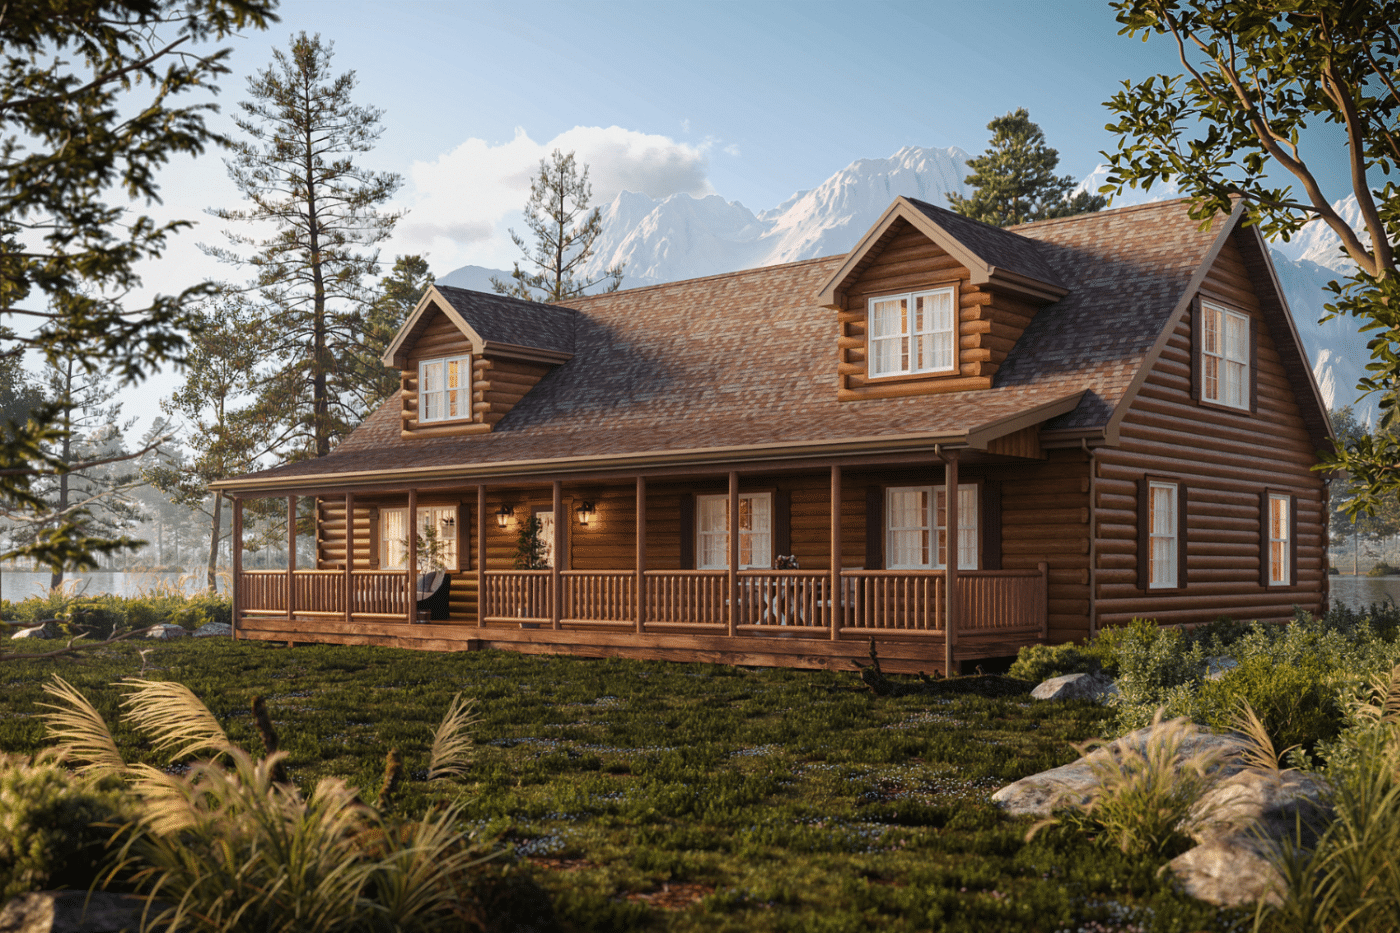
pixel 452 742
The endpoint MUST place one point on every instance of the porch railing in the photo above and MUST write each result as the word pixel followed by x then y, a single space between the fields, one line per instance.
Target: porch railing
pixel 873 602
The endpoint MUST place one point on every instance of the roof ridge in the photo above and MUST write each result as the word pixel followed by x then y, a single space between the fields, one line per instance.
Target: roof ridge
pixel 752 270
pixel 1080 218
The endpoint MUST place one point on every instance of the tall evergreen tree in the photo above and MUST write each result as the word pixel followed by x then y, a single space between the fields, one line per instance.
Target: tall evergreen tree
pixel 565 232
pixel 1014 181
pixel 296 168
pixel 89 112
pixel 398 295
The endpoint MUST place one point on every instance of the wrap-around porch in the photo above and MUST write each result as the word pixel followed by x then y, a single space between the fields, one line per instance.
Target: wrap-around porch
pixel 921 619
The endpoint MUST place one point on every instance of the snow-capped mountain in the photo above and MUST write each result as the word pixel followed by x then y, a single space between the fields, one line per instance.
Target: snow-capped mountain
pixel 681 237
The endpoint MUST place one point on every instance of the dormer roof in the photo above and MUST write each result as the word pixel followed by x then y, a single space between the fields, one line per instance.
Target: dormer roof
pixel 1001 259
pixel 496 326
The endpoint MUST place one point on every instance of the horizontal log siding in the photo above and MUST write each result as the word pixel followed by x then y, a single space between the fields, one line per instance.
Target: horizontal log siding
pixel 498 384
pixel 1045 517
pixel 1225 459
pixel 989 324
pixel 438 338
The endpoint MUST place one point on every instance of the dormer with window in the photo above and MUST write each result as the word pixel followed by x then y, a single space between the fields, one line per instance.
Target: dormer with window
pixel 466 358
pixel 930 301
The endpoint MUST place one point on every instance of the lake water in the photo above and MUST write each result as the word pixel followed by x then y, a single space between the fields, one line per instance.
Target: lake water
pixel 1362 591
pixel 16 585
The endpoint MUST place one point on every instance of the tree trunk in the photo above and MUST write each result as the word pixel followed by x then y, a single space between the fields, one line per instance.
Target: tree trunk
pixel 214 546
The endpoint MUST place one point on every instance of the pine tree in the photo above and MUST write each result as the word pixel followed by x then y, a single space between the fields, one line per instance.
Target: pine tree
pixel 1014 181
pixel 398 295
pixel 296 168
pixel 565 232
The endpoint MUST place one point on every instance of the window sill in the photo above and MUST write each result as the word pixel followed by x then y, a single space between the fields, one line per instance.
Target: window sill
pixel 1221 406
pixel 912 377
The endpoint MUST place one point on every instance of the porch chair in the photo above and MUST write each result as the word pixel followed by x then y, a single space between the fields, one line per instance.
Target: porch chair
pixel 434 590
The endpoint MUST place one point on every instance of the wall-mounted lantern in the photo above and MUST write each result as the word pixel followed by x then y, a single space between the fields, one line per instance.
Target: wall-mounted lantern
pixel 503 515
pixel 585 513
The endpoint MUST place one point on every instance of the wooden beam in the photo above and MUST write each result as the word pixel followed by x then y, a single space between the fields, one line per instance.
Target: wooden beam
pixel 237 557
pixel 837 608
pixel 480 554
pixel 349 555
pixel 641 554
pixel 291 557
pixel 556 589
pixel 733 552
pixel 950 575
pixel 411 572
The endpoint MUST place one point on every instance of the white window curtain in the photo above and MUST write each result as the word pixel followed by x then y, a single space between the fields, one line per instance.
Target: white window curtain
pixel 912 333
pixel 917 516
pixel 437 538
pixel 444 389
pixel 755 531
pixel 1225 356
pixel 1164 535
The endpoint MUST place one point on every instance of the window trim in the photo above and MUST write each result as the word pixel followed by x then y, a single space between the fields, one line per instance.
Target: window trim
pixel 1247 354
pixel 973 490
pixel 911 296
pixel 466 362
pixel 425 513
pixel 1145 535
pixel 700 499
pixel 1266 539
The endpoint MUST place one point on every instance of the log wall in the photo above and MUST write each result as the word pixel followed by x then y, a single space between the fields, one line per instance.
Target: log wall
pixel 1225 459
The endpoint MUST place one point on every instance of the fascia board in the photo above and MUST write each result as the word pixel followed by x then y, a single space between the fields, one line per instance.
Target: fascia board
pixel 980 437
pixel 396 354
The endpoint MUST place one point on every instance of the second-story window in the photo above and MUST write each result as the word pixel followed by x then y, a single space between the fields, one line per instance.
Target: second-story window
pixel 1224 356
pixel 444 389
pixel 913 333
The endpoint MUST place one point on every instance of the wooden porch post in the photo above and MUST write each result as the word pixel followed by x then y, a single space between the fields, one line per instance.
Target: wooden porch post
pixel 480 555
pixel 837 608
pixel 950 574
pixel 555 589
pixel 733 552
pixel 237 559
pixel 411 574
pixel 641 586
pixel 349 557
pixel 291 558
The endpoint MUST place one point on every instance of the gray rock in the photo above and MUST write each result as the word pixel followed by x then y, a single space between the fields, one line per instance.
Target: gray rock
pixel 1240 823
pixel 1071 785
pixel 42 630
pixel 166 631
pixel 211 629
pixel 1218 667
pixel 1095 687
pixel 72 912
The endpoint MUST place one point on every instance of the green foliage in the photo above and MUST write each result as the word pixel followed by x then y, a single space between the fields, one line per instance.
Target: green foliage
pixel 1156 668
pixel 1036 663
pixel 398 295
pixel 1014 181
pixel 529 546
pixel 1382 569
pixel 564 230
pixel 55 825
pixel 1296 701
pixel 108 613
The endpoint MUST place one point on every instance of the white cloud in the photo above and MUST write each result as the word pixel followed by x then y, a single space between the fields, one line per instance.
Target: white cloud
pixel 462 204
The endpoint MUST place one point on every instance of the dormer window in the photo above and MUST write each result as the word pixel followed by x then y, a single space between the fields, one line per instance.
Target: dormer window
pixel 912 333
pixel 444 389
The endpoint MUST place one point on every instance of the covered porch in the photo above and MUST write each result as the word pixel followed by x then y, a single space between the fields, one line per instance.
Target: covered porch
pixel 594 601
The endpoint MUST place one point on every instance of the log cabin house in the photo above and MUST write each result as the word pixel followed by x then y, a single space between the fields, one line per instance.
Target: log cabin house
pixel 963 439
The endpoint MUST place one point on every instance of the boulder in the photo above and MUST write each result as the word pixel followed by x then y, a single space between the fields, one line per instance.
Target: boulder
pixel 1218 667
pixel 1096 687
pixel 72 912
pixel 212 629
pixel 1240 823
pixel 166 631
pixel 1071 784
pixel 47 629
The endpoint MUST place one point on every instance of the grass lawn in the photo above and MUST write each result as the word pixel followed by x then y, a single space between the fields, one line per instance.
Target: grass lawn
pixel 649 795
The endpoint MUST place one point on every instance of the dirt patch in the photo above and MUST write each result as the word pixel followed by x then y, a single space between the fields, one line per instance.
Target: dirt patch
pixel 674 895
pixel 554 863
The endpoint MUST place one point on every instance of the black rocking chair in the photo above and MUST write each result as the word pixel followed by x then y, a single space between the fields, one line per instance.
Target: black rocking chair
pixel 434 590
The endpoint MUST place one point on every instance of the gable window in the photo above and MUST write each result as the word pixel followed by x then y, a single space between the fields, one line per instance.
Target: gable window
pixel 916 523
pixel 1280 541
pixel 437 538
pixel 755 531
pixel 1224 356
pixel 912 333
pixel 1163 535
pixel 444 389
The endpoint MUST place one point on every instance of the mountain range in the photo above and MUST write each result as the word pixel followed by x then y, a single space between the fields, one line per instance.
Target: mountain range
pixel 681 237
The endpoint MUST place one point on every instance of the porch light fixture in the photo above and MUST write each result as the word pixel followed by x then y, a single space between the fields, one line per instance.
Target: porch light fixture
pixel 503 515
pixel 585 513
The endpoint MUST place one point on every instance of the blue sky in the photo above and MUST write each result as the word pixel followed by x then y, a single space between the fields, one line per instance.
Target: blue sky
pixel 752 101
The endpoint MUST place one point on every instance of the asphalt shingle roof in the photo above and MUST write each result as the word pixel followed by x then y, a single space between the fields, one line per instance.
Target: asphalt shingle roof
pixel 500 319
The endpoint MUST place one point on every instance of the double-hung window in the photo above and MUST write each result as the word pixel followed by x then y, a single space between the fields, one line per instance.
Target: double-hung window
pixel 913 333
pixel 1224 356
pixel 437 538
pixel 916 527
pixel 1280 543
pixel 1163 535
pixel 755 531
pixel 444 389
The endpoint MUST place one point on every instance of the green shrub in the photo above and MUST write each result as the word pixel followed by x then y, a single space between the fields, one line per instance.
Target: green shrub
pixel 54 826
pixel 203 608
pixel 1296 701
pixel 1035 663
pixel 1155 668
pixel 1382 569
